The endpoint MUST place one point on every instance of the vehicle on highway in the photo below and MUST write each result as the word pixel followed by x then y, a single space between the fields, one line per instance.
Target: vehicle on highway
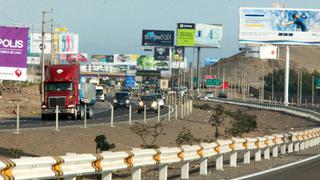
pixel 150 101
pixel 100 93
pixel 160 99
pixel 222 94
pixel 122 100
pixel 181 91
pixel 65 88
pixel 208 95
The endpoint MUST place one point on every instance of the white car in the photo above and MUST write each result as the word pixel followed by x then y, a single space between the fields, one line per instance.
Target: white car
pixel 159 100
pixel 208 95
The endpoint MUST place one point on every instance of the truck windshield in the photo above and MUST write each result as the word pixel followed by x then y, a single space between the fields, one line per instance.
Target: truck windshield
pixel 99 92
pixel 59 86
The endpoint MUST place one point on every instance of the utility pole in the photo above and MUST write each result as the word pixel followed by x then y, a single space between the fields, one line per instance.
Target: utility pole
pixel 52 58
pixel 42 46
pixel 42 55
pixel 272 93
pixel 298 88
pixel 301 77
pixel 312 90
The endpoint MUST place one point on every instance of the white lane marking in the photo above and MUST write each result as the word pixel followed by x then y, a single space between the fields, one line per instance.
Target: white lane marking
pixel 277 168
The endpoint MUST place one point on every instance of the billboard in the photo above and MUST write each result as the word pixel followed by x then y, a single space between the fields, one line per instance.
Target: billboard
pixel 161 53
pixel 68 43
pixel 210 61
pixel 279 26
pixel 102 58
pixel 178 53
pixel 126 59
pixel 146 62
pixel 35 43
pixel 13 53
pixel 157 38
pixel 268 52
pixel 199 35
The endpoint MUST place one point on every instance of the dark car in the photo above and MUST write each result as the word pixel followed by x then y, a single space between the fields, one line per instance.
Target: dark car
pixel 122 99
pixel 150 102
pixel 222 95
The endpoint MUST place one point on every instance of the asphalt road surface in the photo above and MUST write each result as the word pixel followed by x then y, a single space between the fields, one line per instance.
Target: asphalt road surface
pixel 309 170
pixel 102 114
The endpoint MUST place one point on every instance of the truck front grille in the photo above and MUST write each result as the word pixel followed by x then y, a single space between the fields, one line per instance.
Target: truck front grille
pixel 57 101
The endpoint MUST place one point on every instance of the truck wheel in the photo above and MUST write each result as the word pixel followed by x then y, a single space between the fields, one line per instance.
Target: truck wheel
pixel 139 111
pixel 81 113
pixel 156 111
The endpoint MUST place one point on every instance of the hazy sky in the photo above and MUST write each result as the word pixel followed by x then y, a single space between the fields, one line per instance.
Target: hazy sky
pixel 115 26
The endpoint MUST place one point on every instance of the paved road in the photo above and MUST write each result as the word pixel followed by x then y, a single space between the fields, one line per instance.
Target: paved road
pixel 102 114
pixel 309 170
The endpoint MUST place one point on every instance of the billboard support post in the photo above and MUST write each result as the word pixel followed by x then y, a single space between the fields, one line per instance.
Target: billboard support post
pixel 198 66
pixel 286 81
pixel 42 56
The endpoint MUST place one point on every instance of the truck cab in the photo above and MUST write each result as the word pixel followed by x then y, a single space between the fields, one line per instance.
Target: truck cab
pixel 100 93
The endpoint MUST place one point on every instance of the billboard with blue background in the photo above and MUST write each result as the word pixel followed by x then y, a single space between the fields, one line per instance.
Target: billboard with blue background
pixel 279 26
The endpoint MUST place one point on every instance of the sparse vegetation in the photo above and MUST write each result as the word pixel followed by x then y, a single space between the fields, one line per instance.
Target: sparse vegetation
pixel 217 118
pixel 204 106
pixel 102 144
pixel 148 133
pixel 242 123
pixel 185 137
pixel 15 152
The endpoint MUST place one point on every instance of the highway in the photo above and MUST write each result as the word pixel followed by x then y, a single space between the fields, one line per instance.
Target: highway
pixel 102 114
pixel 308 170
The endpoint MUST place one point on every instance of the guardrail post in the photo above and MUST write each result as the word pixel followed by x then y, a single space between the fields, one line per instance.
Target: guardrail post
pixel 275 150
pixel 203 166
pixel 186 108
pixel 111 121
pixel 283 148
pixel 57 118
pixel 246 157
pixel 302 143
pixel 176 111
pixel 290 147
pixel 106 176
pixel 257 156
pixel 169 113
pixel 144 114
pixel 219 162
pixel 136 173
pixel 296 146
pixel 163 171
pixel 181 111
pixel 85 116
pixel 266 153
pixel 130 122
pixel 185 170
pixel 233 159
pixel 159 113
pixel 18 120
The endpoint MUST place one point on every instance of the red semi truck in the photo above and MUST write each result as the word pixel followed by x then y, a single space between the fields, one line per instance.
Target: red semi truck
pixel 63 87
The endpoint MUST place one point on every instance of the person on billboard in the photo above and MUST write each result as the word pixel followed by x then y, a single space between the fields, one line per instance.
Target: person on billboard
pixel 299 22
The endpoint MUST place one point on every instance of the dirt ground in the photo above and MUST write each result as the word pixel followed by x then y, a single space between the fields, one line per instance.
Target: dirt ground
pixel 40 142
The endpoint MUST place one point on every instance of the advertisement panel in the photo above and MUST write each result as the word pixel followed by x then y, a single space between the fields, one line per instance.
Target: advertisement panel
pixel 268 52
pixel 161 53
pixel 164 84
pixel 130 82
pixel 13 53
pixel 199 35
pixel 146 62
pixel 102 58
pixel 178 53
pixel 208 35
pixel 210 61
pixel 186 34
pixel 126 59
pixel 279 26
pixel 68 43
pixel 35 43
pixel 157 38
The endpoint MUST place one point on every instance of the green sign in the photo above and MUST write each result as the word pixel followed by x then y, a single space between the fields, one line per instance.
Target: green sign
pixel 186 34
pixel 317 83
pixel 213 82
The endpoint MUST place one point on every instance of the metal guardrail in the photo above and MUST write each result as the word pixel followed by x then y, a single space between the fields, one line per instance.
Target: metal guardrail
pixel 73 165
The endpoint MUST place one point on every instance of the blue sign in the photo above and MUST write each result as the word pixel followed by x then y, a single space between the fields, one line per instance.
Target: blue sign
pixel 210 61
pixel 130 81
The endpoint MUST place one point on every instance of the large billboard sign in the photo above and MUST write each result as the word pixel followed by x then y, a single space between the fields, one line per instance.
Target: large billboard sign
pixel 68 43
pixel 13 53
pixel 279 26
pixel 161 53
pixel 199 35
pixel 178 53
pixel 35 43
pixel 157 38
